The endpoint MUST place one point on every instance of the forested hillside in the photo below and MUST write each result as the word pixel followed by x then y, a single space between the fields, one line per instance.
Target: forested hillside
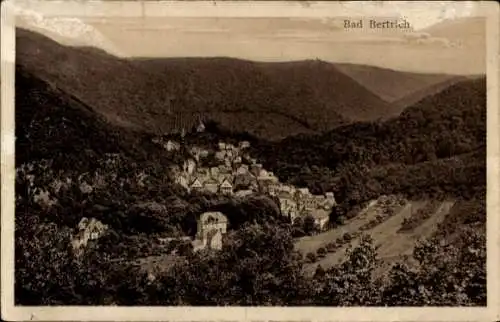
pixel 436 133
pixel 271 100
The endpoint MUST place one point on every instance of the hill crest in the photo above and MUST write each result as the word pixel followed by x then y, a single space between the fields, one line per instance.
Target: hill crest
pixel 272 100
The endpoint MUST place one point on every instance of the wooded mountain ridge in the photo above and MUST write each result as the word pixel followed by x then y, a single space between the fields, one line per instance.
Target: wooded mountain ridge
pixel 269 100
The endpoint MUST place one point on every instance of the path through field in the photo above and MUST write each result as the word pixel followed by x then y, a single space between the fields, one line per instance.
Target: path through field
pixel 392 245
pixel 312 243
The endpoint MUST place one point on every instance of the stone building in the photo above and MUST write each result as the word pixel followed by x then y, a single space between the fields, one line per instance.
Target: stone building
pixel 211 227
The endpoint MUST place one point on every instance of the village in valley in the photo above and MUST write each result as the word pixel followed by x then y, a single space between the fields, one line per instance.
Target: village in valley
pixel 235 173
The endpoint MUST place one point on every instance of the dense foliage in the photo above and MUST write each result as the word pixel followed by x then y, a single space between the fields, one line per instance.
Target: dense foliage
pixel 435 148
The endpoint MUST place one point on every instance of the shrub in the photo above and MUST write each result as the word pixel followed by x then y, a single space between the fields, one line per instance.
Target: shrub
pixel 311 257
pixel 340 220
pixel 331 247
pixel 347 237
pixel 320 271
pixel 321 252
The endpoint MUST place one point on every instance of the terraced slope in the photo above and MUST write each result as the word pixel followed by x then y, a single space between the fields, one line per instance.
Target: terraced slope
pixel 391 243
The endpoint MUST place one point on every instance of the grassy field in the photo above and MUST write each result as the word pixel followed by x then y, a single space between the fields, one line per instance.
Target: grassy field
pixel 392 245
pixel 312 243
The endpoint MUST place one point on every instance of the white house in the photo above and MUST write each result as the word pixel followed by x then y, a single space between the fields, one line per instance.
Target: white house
pixel 226 187
pixel 222 146
pixel 303 191
pixel 172 146
pixel 196 185
pixel 321 218
pixel 220 155
pixel 242 169
pixel 88 229
pixel 244 145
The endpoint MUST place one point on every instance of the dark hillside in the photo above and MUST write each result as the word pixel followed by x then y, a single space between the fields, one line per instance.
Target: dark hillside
pixel 271 100
pixel 51 124
pixel 445 125
pixel 415 97
pixel 448 123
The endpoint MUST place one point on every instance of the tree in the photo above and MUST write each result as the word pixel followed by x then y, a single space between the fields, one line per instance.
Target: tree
pixel 331 247
pixel 311 257
pixel 310 226
pixel 256 266
pixel 321 252
pixel 460 269
pixel 320 272
pixel 346 284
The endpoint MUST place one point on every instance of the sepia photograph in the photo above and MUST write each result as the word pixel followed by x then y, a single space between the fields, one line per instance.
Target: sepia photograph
pixel 287 155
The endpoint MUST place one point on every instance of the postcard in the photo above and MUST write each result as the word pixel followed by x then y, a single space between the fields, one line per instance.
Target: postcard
pixel 250 161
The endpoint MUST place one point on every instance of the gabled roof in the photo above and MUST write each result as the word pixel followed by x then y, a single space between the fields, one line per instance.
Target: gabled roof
pixel 196 183
pixel 225 183
pixel 214 215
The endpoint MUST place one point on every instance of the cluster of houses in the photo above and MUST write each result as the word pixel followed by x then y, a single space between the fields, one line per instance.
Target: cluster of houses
pixel 230 171
pixel 239 175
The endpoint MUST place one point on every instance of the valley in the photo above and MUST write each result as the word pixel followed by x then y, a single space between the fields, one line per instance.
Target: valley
pixel 222 181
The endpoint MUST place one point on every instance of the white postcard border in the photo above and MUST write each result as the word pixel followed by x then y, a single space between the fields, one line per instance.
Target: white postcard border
pixel 233 8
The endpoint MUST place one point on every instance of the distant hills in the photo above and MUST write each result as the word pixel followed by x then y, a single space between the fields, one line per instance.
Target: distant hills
pixel 270 100
pixel 392 86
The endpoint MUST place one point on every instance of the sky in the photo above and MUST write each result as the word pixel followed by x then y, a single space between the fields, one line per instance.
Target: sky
pixel 273 32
